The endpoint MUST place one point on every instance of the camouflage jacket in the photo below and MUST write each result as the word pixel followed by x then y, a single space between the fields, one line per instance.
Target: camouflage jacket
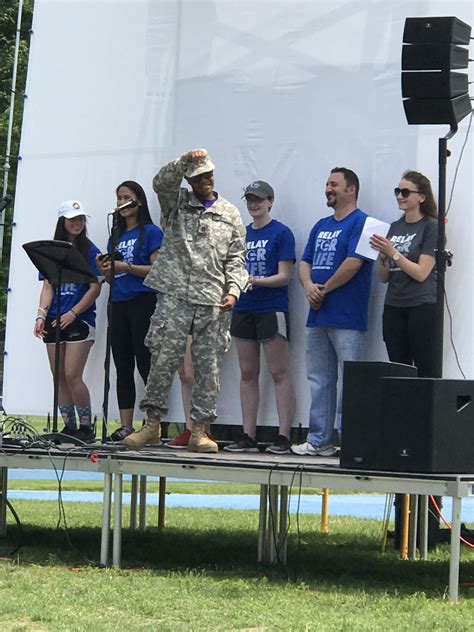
pixel 202 256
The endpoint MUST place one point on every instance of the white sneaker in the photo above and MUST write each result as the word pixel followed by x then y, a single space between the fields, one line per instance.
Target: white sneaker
pixel 326 450
pixel 307 449
pixel 304 449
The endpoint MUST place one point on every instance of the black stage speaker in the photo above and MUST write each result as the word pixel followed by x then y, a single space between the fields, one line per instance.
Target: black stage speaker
pixel 438 29
pixel 427 425
pixel 361 409
pixel 432 48
pixel 444 84
pixel 437 111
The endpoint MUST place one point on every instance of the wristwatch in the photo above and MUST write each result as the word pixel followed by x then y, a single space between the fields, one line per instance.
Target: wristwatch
pixel 396 256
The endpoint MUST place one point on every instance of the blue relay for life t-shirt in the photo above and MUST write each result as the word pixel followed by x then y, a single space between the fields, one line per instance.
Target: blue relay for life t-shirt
pixel 330 242
pixel 266 247
pixel 126 285
pixel 72 293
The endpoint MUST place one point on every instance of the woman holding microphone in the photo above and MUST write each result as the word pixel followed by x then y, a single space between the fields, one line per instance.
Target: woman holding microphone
pixel 133 303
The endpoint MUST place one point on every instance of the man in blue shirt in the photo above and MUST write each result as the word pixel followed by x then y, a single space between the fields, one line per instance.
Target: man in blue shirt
pixel 336 282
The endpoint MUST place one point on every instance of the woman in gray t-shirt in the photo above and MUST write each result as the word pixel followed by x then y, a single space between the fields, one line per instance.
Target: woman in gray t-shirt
pixel 407 264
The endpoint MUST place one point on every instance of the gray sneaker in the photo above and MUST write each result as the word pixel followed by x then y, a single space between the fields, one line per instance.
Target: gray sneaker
pixel 281 445
pixel 243 444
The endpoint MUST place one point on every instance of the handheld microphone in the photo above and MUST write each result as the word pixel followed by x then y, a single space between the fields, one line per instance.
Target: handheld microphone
pixel 130 204
pixel 6 200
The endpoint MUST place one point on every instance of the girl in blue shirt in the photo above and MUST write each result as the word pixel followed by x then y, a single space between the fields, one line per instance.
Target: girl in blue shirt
pixel 76 321
pixel 260 318
pixel 133 303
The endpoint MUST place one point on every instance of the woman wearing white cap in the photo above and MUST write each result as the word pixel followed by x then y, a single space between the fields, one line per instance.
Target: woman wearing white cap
pixel 76 321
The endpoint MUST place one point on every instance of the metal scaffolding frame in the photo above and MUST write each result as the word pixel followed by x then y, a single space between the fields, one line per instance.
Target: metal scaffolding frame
pixel 6 164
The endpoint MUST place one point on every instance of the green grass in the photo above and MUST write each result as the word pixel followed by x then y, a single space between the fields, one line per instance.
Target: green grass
pixel 201 574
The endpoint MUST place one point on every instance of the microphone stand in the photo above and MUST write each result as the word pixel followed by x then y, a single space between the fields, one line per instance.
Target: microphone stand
pixel 114 240
pixel 57 349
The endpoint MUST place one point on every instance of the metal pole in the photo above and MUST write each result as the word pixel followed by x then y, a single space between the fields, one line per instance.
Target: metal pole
pixel 441 255
pixel 161 503
pixel 325 511
pixel 106 511
pixel 272 533
pixel 423 527
pixel 413 527
pixel 117 536
pixel 405 526
pixel 142 504
pixel 3 500
pixel 282 537
pixel 440 262
pixel 6 165
pixel 133 502
pixel 262 523
pixel 455 549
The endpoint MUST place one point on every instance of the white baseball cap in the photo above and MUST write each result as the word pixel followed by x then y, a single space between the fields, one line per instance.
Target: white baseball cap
pixel 71 209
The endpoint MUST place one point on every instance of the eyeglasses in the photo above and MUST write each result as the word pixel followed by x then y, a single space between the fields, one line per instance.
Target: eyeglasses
pixel 405 193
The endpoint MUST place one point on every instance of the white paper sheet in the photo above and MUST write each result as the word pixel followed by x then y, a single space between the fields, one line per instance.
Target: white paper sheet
pixel 372 226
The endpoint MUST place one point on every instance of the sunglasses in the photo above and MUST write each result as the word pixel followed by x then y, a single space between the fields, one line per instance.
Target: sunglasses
pixel 405 193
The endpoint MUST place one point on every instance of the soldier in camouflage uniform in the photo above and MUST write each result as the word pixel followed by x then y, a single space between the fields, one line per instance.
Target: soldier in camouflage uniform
pixel 199 275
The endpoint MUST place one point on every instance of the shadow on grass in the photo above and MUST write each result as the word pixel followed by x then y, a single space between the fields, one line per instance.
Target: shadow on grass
pixel 347 558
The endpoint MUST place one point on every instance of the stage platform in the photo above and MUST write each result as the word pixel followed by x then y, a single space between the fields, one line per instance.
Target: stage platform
pixel 275 474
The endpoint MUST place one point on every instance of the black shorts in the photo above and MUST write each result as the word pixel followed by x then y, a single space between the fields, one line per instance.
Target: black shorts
pixel 260 326
pixel 78 331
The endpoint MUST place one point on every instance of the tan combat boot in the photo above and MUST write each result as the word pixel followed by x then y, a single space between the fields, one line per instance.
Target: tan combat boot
pixel 149 434
pixel 200 441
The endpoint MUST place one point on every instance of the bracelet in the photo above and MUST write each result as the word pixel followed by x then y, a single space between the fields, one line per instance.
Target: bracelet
pixel 42 309
pixel 73 312
pixel 40 318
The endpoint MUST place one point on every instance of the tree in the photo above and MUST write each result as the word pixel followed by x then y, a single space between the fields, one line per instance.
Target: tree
pixel 8 23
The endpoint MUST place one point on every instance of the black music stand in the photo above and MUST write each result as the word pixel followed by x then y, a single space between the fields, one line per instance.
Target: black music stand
pixel 59 262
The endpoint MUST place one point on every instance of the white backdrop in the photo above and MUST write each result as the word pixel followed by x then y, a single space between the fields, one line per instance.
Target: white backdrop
pixel 281 91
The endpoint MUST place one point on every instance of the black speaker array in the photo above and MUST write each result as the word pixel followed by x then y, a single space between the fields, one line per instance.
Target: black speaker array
pixel 433 51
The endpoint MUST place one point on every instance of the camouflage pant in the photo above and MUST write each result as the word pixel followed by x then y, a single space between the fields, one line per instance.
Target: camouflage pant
pixel 170 325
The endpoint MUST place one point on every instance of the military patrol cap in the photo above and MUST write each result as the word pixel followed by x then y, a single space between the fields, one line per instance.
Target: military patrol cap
pixel 203 167
pixel 260 189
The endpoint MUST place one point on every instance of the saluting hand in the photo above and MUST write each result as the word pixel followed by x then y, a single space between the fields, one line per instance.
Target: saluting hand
pixel 196 155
